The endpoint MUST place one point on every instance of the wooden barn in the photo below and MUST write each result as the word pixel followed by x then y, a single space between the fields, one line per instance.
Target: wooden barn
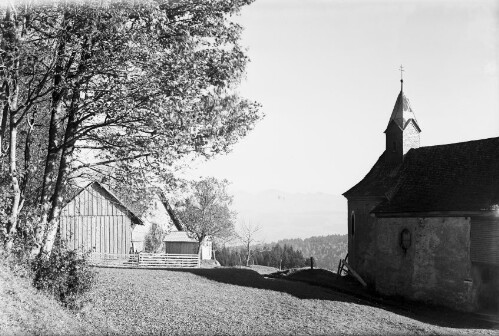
pixel 96 220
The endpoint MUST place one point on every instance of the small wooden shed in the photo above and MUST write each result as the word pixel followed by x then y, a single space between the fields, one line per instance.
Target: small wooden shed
pixel 96 220
pixel 178 242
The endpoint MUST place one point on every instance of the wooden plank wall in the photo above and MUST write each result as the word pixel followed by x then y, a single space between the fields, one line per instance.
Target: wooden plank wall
pixel 181 248
pixel 484 236
pixel 91 222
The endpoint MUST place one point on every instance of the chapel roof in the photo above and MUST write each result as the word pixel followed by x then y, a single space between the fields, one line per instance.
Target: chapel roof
pixel 455 177
pixel 377 182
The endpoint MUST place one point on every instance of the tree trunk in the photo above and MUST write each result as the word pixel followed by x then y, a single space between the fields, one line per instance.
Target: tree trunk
pixel 3 127
pixel 52 206
pixel 200 240
pixel 54 137
pixel 171 212
pixel 14 181
pixel 12 95
pixel 62 177
pixel 27 156
pixel 248 255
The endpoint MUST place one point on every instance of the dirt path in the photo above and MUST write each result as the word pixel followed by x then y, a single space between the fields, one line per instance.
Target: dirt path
pixel 239 302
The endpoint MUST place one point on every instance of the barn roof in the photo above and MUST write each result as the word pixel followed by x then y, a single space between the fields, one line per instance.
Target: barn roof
pixel 455 177
pixel 179 236
pixel 105 192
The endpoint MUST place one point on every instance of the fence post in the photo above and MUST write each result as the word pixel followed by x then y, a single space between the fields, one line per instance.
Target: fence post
pixel 138 260
pixel 311 262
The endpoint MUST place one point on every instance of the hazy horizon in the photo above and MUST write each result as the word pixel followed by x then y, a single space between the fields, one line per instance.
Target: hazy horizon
pixel 284 215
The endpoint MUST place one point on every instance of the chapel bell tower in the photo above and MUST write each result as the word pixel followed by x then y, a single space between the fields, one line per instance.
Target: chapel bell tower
pixel 402 132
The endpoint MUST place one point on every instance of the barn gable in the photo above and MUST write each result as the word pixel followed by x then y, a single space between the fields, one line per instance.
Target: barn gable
pixel 96 220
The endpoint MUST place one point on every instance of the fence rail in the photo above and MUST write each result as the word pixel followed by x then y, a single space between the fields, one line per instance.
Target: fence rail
pixel 156 260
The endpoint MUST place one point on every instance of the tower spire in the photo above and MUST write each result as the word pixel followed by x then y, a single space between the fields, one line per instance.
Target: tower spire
pixel 401 77
pixel 402 132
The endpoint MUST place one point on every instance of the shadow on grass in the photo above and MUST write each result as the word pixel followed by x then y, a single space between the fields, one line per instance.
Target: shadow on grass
pixel 250 278
pixel 317 284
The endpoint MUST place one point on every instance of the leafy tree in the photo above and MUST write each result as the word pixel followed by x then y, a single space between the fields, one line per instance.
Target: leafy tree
pixel 206 212
pixel 153 240
pixel 119 89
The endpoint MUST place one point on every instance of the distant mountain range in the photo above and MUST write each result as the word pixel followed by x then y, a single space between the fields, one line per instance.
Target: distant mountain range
pixel 292 215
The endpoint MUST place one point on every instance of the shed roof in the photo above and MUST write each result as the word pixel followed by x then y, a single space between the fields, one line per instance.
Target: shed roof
pixel 179 236
pixel 455 177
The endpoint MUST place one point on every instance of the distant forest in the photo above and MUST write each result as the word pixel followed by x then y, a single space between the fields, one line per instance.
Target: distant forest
pixel 289 253
pixel 326 250
pixel 281 257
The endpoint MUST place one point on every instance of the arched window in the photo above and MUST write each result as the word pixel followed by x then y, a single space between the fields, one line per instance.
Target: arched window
pixel 352 223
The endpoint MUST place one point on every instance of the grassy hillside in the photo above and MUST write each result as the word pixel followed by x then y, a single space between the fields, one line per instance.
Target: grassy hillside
pixel 25 311
pixel 326 250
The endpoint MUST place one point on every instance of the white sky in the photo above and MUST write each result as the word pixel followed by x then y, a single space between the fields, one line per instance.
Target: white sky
pixel 326 74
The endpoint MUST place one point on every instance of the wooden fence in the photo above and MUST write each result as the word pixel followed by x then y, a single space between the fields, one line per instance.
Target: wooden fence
pixel 156 260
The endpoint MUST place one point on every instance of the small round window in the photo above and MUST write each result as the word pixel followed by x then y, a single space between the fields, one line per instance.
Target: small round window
pixel 352 223
pixel 405 239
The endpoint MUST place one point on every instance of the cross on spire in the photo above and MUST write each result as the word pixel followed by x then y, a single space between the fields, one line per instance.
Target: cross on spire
pixel 401 77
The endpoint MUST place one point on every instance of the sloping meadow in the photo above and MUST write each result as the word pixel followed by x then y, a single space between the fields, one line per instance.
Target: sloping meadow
pixel 26 311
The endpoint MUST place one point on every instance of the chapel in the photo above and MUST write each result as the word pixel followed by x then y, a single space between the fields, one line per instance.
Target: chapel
pixel 423 223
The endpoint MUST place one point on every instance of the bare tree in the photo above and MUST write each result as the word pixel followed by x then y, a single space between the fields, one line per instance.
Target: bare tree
pixel 247 235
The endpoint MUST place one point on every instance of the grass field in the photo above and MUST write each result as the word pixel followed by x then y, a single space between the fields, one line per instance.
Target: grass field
pixel 229 301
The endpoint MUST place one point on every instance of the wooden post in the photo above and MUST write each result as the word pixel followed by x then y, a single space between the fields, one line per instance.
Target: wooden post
pixel 311 262
pixel 138 259
pixel 355 274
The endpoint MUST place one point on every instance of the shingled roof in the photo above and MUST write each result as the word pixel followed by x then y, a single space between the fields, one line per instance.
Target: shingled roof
pixel 402 113
pixel 378 182
pixel 456 177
